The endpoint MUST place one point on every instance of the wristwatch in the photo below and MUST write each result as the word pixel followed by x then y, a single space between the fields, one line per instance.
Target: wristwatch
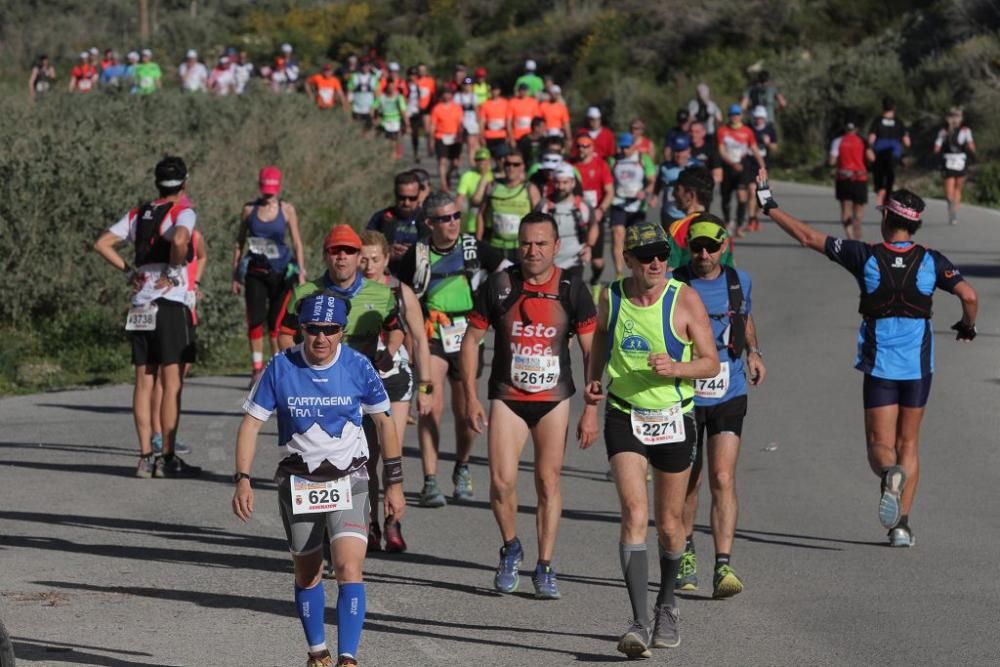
pixel 237 476
pixel 754 350
pixel 425 387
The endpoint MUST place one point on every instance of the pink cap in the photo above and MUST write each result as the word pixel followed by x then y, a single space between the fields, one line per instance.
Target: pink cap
pixel 270 180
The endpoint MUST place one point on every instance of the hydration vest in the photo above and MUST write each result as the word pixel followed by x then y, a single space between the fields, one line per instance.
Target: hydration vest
pixel 897 294
pixel 151 247
pixel 569 286
pixel 423 270
pixel 737 319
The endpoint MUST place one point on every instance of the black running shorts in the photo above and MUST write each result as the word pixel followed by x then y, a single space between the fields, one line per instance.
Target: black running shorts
pixel 618 438
pixel 172 342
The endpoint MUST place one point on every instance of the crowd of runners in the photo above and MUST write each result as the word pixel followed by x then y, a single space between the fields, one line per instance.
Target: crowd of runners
pixel 516 245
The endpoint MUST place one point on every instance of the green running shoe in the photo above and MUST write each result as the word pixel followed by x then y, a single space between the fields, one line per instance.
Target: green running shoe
pixel 687 576
pixel 462 478
pixel 430 495
pixel 725 583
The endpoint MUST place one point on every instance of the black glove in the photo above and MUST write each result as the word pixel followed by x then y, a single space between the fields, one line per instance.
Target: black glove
pixel 764 197
pixel 965 331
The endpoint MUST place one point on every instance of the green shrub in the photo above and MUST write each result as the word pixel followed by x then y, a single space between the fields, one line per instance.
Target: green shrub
pixel 987 184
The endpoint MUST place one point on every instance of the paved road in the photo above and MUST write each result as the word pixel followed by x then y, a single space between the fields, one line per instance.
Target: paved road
pixel 98 568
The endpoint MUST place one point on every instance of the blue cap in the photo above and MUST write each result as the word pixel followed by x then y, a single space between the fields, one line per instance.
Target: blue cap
pixel 680 142
pixel 323 308
pixel 735 109
pixel 625 139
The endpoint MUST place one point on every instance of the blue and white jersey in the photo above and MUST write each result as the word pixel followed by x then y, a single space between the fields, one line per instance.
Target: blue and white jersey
pixel 894 348
pixel 714 294
pixel 320 407
pixel 666 177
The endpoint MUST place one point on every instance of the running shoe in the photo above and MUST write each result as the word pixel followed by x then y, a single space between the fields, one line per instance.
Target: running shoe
pixel 754 224
pixel 507 577
pixel 687 576
pixel 901 536
pixel 331 571
pixel 430 495
pixel 725 583
pixel 462 479
pixel 546 586
pixel 146 467
pixel 893 480
pixel 324 659
pixel 156 442
pixel 175 467
pixel 374 537
pixel 394 542
pixel 665 632
pixel 635 642
pixel 345 661
pixel 181 447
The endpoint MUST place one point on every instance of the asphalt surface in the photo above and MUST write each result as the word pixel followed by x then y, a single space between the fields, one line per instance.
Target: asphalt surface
pixel 100 568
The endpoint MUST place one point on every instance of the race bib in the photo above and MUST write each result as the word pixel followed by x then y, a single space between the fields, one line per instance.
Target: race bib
pixel 713 387
pixel 147 82
pixel 391 125
pixel 261 246
pixel 191 299
pixel 326 94
pixel 658 427
pixel 84 84
pixel 590 196
pixel 311 497
pixel 141 318
pixel 534 373
pixel 452 334
pixel 954 161
pixel 496 124
pixel 447 139
pixel 506 224
pixel 522 122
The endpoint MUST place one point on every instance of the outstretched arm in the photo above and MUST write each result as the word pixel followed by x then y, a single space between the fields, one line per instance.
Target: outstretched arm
pixel 798 230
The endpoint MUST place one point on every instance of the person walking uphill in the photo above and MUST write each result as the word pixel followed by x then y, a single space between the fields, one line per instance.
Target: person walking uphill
pixel 321 390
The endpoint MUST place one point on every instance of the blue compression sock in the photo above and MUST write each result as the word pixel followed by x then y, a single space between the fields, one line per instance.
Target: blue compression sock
pixel 350 618
pixel 310 603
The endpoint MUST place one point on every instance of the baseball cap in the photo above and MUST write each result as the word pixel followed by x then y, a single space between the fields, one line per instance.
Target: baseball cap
pixel 680 142
pixel 147 52
pixel 683 115
pixel 467 81
pixel 707 226
pixel 224 60
pixel 530 65
pixel 93 51
pixel 323 308
pixel 481 154
pixel 585 140
pixel 480 71
pixel 625 139
pixel 84 55
pixel 133 55
pixel 551 160
pixel 564 170
pixel 645 239
pixel 759 111
pixel 850 125
pixel 555 90
pixel 170 172
pixel 270 180
pixel 342 235
pixel 393 67
pixel 735 110
pixel 191 54
pixel 327 67
pixel 286 48
pixel 593 112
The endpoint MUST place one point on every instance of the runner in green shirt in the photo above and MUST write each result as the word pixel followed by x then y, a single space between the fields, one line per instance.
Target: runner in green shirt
pixel 467 185
pixel 389 111
pixel 530 79
pixel 148 77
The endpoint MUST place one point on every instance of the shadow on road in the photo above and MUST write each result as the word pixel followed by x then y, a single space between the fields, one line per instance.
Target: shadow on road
pixel 127 410
pixel 53 652
pixel 374 622
pixel 129 471
pixel 75 449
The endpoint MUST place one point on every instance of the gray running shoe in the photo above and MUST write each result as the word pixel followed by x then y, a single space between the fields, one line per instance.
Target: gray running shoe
pixel 893 480
pixel 175 467
pixel 181 447
pixel 462 478
pixel 146 467
pixel 635 642
pixel 901 536
pixel 430 495
pixel 665 633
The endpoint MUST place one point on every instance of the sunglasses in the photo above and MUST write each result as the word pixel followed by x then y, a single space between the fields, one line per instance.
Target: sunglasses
pixel 441 219
pixel 662 257
pixel 328 330
pixel 697 246
pixel 400 197
pixel 512 164
pixel 347 250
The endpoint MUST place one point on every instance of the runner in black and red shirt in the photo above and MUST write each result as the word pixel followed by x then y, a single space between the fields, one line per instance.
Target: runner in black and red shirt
pixel 535 310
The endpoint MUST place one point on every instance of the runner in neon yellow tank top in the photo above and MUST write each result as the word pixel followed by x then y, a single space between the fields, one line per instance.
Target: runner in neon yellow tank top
pixel 503 203
pixel 654 336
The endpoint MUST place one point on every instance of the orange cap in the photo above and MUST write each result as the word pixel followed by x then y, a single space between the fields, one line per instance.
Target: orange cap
pixel 342 236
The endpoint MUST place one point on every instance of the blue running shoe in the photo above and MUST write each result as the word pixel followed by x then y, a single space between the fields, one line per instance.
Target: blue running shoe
pixel 507 577
pixel 889 511
pixel 544 579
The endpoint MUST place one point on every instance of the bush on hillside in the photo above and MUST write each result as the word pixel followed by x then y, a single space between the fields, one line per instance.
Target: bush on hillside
pixel 72 165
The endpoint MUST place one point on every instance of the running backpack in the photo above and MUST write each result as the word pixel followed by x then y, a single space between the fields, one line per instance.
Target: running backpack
pixel 737 319
pixel 472 269
pixel 569 292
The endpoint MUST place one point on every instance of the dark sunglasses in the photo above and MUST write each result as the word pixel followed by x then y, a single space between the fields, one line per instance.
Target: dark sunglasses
pixel 512 164
pixel 663 257
pixel 400 197
pixel 441 219
pixel 328 330
pixel 347 250
pixel 697 246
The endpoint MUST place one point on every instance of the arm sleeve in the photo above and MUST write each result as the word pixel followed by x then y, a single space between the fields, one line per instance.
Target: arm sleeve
pixel 186 219
pixel 375 398
pixel 851 255
pixel 263 398
pixel 946 274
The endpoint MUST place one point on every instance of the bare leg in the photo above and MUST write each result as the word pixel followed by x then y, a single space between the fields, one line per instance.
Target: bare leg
pixel 429 426
pixel 549 436
pixel 142 402
pixel 722 452
pixel 170 409
pixel 505 442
